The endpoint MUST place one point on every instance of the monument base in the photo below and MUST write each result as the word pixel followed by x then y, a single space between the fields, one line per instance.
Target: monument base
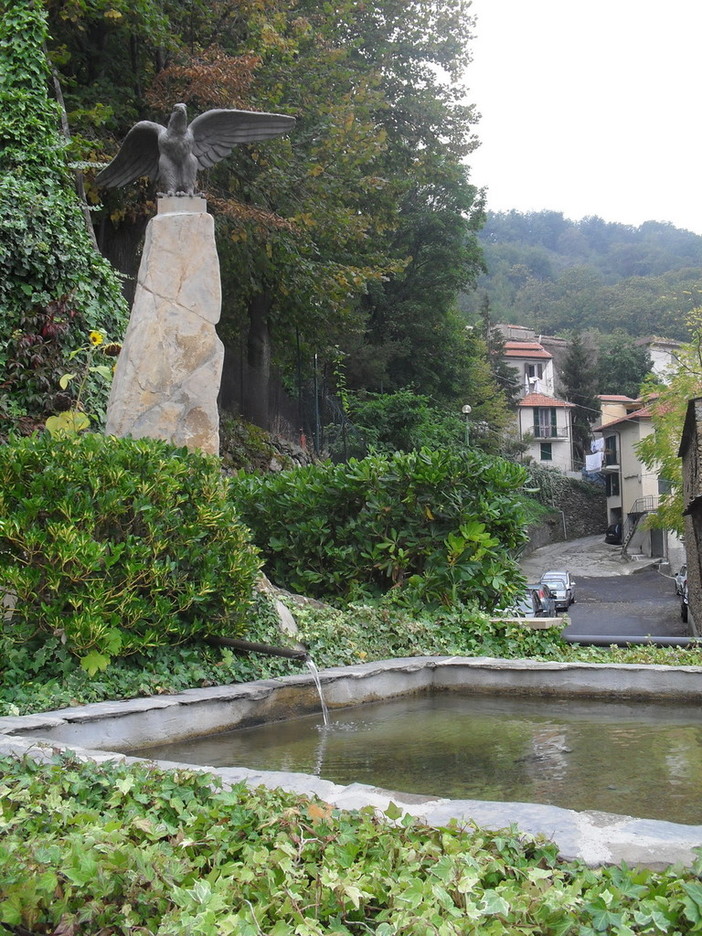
pixel 168 373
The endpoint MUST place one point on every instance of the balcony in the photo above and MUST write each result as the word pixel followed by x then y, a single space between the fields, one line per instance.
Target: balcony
pixel 644 505
pixel 550 432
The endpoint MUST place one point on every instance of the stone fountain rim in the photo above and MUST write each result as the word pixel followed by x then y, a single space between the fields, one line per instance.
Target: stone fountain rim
pixel 593 837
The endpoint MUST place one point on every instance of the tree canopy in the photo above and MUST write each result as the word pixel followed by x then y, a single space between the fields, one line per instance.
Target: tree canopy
pixel 355 232
pixel 552 274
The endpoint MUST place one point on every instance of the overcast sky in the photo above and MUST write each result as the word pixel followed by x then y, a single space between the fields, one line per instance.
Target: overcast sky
pixel 590 107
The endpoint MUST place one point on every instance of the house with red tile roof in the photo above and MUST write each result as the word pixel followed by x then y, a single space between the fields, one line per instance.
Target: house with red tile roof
pixel 544 422
pixel 533 365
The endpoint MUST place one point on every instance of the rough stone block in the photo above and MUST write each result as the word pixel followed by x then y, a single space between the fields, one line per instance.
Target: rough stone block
pixel 169 370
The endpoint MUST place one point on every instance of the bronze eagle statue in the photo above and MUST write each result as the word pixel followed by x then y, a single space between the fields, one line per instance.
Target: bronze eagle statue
pixel 173 155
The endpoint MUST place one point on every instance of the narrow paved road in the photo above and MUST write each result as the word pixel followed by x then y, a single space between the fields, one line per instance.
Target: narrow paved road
pixel 615 596
pixel 621 605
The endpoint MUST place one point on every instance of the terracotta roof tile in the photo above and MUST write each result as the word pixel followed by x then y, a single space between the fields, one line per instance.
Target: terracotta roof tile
pixel 540 399
pixel 526 349
pixel 644 413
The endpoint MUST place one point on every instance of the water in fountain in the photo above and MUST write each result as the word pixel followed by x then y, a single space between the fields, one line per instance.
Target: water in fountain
pixel 315 675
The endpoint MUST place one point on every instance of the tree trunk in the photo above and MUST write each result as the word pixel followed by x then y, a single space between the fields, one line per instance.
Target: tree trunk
pixel 258 361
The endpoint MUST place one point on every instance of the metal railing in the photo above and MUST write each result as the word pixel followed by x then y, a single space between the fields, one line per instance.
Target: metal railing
pixel 641 506
pixel 644 504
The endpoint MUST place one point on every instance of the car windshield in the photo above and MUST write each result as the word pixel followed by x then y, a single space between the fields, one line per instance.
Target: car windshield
pixel 523 605
pixel 554 582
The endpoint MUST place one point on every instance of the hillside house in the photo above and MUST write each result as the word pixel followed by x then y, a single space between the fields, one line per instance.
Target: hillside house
pixel 664 354
pixel 632 489
pixel 543 421
pixel 556 347
pixel 533 365
pixel 545 424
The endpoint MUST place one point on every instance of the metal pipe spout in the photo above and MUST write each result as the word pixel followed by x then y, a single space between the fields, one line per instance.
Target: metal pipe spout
pixel 248 646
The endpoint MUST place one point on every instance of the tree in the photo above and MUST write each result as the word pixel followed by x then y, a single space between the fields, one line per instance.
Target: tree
pixel 622 365
pixel 668 405
pixel 579 378
pixel 359 228
pixel 554 275
pixel 504 375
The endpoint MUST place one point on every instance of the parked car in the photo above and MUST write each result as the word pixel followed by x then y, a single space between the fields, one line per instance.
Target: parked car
pixel 535 601
pixel 562 585
pixel 684 603
pixel 613 536
pixel 546 599
pixel 525 606
pixel 680 579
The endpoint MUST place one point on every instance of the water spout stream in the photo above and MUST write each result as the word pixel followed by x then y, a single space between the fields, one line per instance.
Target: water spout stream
pixel 315 675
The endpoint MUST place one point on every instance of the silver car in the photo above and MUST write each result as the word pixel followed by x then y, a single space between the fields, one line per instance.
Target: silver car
pixel 562 585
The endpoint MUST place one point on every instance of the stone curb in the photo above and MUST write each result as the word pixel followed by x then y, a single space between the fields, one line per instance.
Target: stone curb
pixel 593 837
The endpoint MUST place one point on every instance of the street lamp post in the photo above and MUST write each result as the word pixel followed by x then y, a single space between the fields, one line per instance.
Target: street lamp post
pixel 467 410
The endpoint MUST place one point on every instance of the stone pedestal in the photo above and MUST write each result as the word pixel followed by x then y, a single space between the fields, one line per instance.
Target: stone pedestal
pixel 169 370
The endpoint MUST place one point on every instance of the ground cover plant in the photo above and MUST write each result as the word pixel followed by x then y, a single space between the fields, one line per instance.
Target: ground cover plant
pixel 42 676
pixel 118 849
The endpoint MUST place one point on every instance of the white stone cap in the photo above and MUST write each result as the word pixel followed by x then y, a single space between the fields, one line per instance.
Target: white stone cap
pixel 181 204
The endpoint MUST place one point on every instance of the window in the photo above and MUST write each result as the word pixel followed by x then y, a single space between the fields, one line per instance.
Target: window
pixel 535 371
pixel 545 426
pixel 664 486
pixel 612 485
pixel 611 450
pixel 546 451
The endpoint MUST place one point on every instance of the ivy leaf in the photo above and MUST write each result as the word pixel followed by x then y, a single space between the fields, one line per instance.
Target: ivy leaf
pixel 693 902
pixel 393 811
pixel 493 903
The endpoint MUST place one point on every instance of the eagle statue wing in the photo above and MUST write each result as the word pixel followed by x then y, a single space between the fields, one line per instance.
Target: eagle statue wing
pixel 137 156
pixel 217 132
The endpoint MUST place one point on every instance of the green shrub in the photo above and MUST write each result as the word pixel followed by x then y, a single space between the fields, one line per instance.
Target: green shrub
pixel 438 527
pixel 119 544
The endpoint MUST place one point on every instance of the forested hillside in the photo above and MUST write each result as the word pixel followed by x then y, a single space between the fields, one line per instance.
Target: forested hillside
pixel 557 276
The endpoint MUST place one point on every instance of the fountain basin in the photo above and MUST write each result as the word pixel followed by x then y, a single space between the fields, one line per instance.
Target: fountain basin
pixel 104 731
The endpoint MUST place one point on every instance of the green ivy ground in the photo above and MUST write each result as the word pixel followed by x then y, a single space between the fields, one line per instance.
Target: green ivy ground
pixel 107 850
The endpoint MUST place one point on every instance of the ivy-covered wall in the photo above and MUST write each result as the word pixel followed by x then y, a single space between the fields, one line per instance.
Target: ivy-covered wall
pixel 54 285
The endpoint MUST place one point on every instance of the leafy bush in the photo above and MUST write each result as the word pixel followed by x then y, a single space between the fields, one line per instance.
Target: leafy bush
pixel 41 674
pixel 403 421
pixel 116 848
pixel 436 526
pixel 119 544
